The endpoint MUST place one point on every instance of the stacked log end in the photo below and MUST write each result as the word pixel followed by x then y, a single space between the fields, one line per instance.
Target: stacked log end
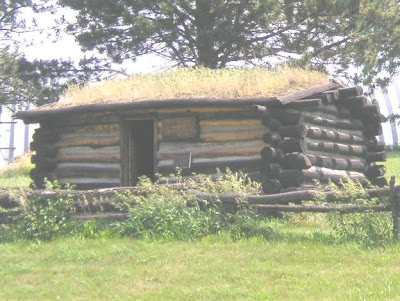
pixel 43 144
pixel 329 136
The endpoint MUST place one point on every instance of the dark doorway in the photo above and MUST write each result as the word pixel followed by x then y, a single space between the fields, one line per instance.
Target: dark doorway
pixel 139 150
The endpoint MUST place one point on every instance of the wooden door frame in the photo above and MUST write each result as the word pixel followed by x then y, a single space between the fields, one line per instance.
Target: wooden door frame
pixel 124 147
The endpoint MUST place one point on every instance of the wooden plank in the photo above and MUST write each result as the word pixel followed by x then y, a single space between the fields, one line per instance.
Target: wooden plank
pixel 233 136
pixel 89 150
pixel 245 164
pixel 210 150
pixel 88 158
pixel 201 110
pixel 96 141
pixel 350 92
pixel 230 123
pixel 180 128
pixel 307 92
pixel 81 170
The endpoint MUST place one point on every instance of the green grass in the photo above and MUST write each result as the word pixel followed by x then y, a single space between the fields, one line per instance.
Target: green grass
pixel 211 269
pixel 17 173
pixel 393 164
pixel 299 260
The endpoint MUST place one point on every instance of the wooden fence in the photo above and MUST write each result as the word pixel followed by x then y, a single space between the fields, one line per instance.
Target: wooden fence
pixel 103 203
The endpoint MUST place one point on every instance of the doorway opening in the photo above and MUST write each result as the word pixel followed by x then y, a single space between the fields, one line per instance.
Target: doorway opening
pixel 138 145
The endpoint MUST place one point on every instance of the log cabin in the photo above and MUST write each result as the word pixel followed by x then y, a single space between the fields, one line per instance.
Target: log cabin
pixel 323 132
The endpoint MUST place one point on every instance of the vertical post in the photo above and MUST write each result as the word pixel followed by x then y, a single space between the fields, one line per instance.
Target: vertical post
pixel 26 136
pixel 11 146
pixel 395 208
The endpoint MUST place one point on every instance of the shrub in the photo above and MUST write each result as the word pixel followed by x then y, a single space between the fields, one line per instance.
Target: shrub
pixel 167 212
pixel 368 228
pixel 45 218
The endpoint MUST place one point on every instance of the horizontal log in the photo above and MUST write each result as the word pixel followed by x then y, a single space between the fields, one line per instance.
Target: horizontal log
pixel 292 145
pixel 292 197
pixel 374 157
pixel 88 158
pixel 350 92
pixel 332 147
pixel 254 176
pixel 80 120
pixel 307 92
pixel 80 170
pixel 335 123
pixel 244 134
pixel 304 103
pixel 375 171
pixel 372 129
pixel 271 138
pixel 294 131
pixel 295 161
pixel 294 177
pixel 270 154
pixel 96 128
pixel 270 122
pixel 354 102
pixel 96 141
pixel 335 136
pixel 331 96
pixel 325 209
pixel 44 136
pixel 44 162
pixel 90 183
pixel 44 150
pixel 338 163
pixel 288 117
pixel 211 165
pixel 376 146
pixel 229 123
pixel 167 150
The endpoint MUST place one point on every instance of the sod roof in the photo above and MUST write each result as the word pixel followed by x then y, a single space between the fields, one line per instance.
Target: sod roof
pixel 187 87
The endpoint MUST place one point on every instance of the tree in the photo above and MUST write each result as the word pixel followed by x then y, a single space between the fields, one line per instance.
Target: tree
pixel 25 81
pixel 216 33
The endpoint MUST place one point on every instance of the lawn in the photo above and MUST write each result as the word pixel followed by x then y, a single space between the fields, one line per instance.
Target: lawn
pixel 211 269
pixel 300 260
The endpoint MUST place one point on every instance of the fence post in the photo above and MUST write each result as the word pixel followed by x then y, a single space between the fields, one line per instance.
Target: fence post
pixel 395 208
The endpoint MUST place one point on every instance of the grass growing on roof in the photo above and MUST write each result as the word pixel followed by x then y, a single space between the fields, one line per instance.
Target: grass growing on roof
pixel 196 83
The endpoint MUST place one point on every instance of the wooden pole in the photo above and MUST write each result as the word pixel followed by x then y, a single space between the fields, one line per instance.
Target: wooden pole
pixel 395 208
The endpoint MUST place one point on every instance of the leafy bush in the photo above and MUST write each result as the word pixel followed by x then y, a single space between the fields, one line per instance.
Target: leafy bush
pixel 165 212
pixel 45 218
pixel 368 228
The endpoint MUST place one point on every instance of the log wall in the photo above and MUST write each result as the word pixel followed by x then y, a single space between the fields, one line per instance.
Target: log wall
pixel 220 139
pixel 83 151
pixel 322 138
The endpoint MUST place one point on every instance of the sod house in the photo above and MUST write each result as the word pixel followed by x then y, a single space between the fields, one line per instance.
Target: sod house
pixel 314 132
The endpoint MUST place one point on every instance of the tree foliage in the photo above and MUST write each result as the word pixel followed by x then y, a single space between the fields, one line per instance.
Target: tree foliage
pixel 25 81
pixel 325 34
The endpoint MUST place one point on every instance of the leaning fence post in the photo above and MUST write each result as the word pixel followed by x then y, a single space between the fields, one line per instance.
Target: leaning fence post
pixel 395 208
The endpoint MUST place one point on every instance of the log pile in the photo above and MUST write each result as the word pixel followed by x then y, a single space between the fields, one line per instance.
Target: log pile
pixel 329 136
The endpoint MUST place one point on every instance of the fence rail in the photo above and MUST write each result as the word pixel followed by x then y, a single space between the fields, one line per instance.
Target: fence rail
pixel 103 203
